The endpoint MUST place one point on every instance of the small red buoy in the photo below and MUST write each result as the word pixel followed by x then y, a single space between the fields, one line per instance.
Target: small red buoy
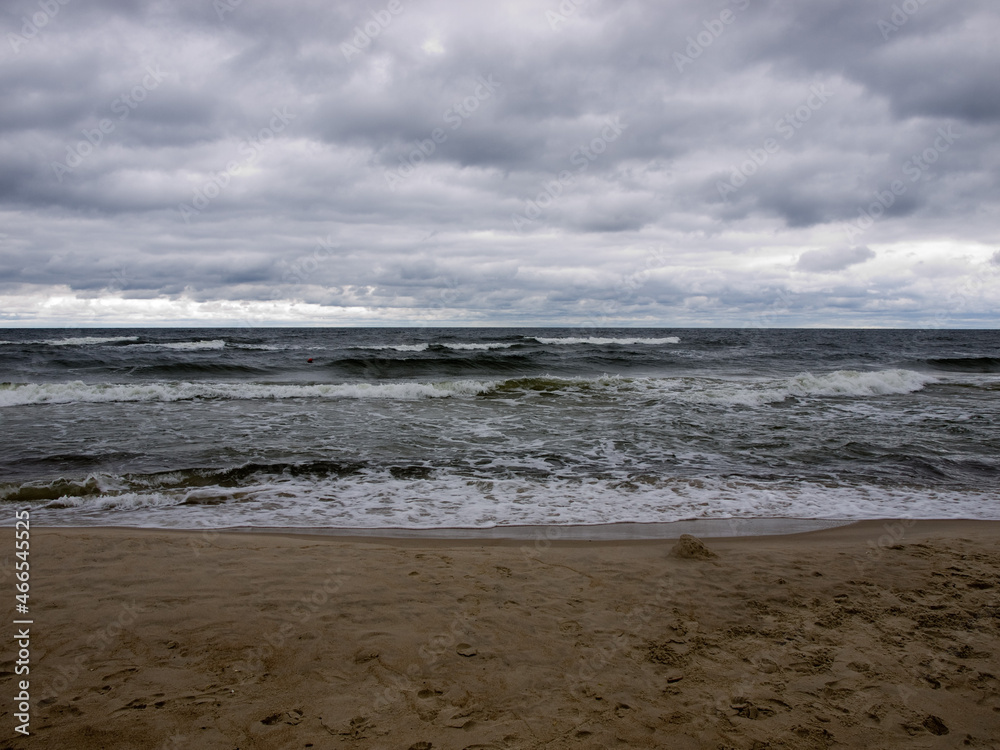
pixel 309 360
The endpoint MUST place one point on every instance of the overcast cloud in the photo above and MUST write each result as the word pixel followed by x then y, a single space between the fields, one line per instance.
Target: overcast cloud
pixel 677 163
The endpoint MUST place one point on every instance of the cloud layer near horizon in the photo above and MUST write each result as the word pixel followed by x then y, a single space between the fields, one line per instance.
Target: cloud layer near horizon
pixel 754 162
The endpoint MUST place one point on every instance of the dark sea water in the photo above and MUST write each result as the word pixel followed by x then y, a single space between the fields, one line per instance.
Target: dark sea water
pixel 421 428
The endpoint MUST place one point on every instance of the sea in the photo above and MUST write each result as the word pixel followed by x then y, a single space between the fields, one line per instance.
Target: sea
pixel 435 428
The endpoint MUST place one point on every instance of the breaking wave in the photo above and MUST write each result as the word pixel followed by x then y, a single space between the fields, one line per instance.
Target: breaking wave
pixel 842 383
pixel 184 346
pixel 604 342
pixel 75 392
pixel 77 341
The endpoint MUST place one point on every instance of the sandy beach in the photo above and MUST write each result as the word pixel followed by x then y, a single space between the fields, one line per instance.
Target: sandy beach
pixel 878 634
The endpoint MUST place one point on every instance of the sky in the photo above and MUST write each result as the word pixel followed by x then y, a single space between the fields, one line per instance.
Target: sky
pixel 669 163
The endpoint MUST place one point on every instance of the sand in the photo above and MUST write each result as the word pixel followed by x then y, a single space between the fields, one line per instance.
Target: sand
pixel 875 635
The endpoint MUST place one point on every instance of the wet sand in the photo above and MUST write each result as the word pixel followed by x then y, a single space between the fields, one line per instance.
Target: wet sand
pixel 876 634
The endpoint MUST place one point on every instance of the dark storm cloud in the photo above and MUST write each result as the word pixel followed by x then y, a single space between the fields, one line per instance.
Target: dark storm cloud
pixel 565 161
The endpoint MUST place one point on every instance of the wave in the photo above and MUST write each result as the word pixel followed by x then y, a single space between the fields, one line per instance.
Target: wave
pixel 552 384
pixel 966 364
pixel 129 342
pixel 78 341
pixel 21 394
pixel 855 383
pixel 262 347
pixel 383 498
pixel 397 347
pixel 179 370
pixel 436 345
pixel 186 346
pixel 192 481
pixel 604 342
pixel 385 366
pixel 476 347
pixel 40 491
pixel 842 383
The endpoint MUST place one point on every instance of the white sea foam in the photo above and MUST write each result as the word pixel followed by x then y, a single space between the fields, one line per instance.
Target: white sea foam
pixel 263 347
pixel 124 501
pixel 602 341
pixel 78 341
pixel 478 347
pixel 379 500
pixel 181 345
pixel 845 383
pixel 425 347
pixel 88 340
pixel 187 346
pixel 842 383
pixel 78 391
pixel 398 347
